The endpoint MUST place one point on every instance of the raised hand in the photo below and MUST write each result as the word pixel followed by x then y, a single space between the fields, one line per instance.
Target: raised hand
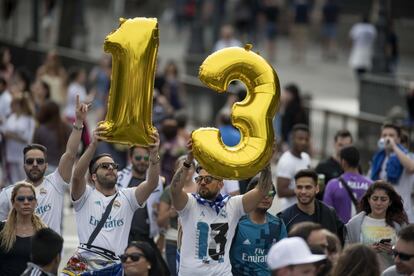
pixel 155 146
pixel 81 110
pixel 189 146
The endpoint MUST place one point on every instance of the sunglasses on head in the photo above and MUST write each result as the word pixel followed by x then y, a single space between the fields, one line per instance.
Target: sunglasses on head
pixel 140 157
pixel 271 193
pixel 402 256
pixel 207 179
pixel 23 198
pixel 30 161
pixel 106 166
pixel 133 256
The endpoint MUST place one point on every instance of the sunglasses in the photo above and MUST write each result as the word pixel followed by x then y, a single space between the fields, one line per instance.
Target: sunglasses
pixel 134 257
pixel 271 193
pixel 30 161
pixel 207 179
pixel 403 256
pixel 23 198
pixel 106 166
pixel 139 158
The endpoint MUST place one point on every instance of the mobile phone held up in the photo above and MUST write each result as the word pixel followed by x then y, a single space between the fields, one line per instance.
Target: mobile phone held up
pixel 385 240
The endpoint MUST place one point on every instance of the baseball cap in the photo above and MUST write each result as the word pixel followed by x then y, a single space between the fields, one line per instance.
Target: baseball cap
pixel 291 251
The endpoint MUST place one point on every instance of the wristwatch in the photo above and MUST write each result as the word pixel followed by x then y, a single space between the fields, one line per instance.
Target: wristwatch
pixel 187 165
pixel 157 159
pixel 75 127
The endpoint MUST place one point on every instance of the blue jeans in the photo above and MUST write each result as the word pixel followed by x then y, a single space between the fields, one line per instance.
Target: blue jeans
pixel 171 254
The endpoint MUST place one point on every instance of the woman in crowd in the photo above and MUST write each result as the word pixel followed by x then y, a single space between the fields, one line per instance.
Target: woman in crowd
pixel 18 132
pixel 168 218
pixel 357 260
pixel 6 66
pixel 40 93
pixel 17 230
pixel 52 133
pixel 378 224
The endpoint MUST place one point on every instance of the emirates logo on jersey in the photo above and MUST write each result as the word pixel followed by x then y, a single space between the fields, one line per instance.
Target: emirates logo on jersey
pixel 117 204
pixel 43 191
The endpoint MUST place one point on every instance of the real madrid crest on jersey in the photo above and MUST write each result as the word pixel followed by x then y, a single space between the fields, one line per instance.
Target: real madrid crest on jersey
pixel 117 204
pixel 43 191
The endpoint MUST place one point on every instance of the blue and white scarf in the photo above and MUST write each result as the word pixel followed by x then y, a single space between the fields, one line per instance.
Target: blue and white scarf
pixel 217 204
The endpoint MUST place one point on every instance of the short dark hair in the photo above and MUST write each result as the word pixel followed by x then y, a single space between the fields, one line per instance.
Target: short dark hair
pixel 351 156
pixel 307 173
pixel 253 183
pixel 35 147
pixel 304 229
pixel 131 149
pixel 343 133
pixel 299 127
pixel 46 245
pixel 407 233
pixel 393 126
pixel 96 158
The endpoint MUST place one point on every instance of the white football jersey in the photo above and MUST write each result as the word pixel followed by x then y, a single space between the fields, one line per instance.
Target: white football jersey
pixel 89 209
pixel 49 197
pixel 207 237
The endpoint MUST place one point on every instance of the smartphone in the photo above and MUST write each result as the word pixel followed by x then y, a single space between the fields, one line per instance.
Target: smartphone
pixel 385 240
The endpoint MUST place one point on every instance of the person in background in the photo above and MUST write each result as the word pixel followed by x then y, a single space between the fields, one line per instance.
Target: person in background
pixel 52 132
pixel 377 225
pixel 308 208
pixel 40 93
pixel 300 17
pixel 271 10
pixel 17 131
pixel 403 252
pixel 256 232
pixel 5 101
pixel 345 192
pixel 330 15
pixel 331 167
pixel 292 257
pixel 100 78
pixel 53 73
pixel 168 217
pixel 292 161
pixel 16 232
pixel 172 88
pixel 45 253
pixel 395 164
pixel 363 35
pixel 227 39
pixel 357 260
pixel 293 112
pixel 6 66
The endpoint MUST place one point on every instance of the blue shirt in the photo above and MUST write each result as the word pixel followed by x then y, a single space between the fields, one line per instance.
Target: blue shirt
pixel 251 244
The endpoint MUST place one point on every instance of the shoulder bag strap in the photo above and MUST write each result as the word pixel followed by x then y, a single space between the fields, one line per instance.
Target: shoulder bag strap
pixel 350 193
pixel 101 222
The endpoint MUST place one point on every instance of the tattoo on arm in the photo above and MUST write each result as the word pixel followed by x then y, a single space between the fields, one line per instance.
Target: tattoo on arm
pixel 176 180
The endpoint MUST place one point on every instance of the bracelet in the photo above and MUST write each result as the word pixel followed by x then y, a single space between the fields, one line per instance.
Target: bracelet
pixel 75 127
pixel 187 165
pixel 157 160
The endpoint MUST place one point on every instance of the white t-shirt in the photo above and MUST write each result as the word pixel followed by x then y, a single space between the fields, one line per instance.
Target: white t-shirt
pixel 89 209
pixel 229 186
pixel 49 196
pixel 24 127
pixel 287 167
pixel 363 36
pixel 207 237
pixel 5 105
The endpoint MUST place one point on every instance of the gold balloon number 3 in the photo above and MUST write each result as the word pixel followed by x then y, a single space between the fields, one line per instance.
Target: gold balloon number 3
pixel 252 117
pixel 134 48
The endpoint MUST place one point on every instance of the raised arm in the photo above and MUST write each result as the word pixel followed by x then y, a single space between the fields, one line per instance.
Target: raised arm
pixel 405 160
pixel 252 198
pixel 178 196
pixel 78 185
pixel 68 158
pixel 144 190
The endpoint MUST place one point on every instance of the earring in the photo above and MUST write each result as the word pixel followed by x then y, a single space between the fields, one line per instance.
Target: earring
pixel 149 267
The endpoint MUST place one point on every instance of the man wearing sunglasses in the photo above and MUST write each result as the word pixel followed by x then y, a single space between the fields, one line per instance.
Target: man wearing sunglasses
pixel 209 220
pixel 50 189
pixel 90 203
pixel 403 253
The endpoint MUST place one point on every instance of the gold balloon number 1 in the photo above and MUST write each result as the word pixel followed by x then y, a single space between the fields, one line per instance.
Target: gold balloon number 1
pixel 252 117
pixel 134 48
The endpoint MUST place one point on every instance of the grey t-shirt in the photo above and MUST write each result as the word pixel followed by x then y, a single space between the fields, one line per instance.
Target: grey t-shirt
pixel 391 271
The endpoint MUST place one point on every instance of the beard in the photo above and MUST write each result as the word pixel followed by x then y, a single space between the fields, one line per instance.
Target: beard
pixel 306 201
pixel 207 194
pixel 140 169
pixel 107 182
pixel 35 174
